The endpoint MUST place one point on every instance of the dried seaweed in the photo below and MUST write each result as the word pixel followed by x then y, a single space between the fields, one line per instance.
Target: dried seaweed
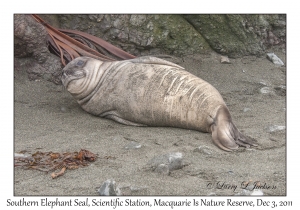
pixel 70 44
pixel 53 161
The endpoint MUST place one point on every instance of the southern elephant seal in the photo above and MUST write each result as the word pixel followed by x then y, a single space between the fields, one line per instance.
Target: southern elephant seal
pixel 154 92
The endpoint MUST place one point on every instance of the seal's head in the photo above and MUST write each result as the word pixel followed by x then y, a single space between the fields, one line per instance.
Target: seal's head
pixel 78 75
pixel 74 71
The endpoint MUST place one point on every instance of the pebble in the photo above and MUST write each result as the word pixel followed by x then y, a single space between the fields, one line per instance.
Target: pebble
pixel 277 61
pixel 133 145
pixel 246 109
pixel 172 161
pixel 204 150
pixel 255 192
pixel 274 128
pixel 244 192
pixel 21 155
pixel 231 172
pixel 225 60
pixel 265 90
pixel 63 109
pixel 262 82
pixel 109 188
pixel 162 169
pixel 281 90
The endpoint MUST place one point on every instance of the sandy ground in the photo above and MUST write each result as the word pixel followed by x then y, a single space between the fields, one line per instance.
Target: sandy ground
pixel 47 118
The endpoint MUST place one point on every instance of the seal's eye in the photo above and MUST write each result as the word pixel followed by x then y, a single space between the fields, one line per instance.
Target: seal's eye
pixel 80 63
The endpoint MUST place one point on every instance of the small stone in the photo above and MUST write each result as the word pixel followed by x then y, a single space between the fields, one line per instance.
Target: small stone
pixel 133 145
pixel 172 161
pixel 265 90
pixel 231 172
pixel 280 90
pixel 247 192
pixel 257 192
pixel 63 109
pixel 275 128
pixel 109 188
pixel 263 83
pixel 225 59
pixel 204 150
pixel 277 61
pixel 21 155
pixel 246 109
pixel 249 187
pixel 175 161
pixel 162 169
pixel 244 192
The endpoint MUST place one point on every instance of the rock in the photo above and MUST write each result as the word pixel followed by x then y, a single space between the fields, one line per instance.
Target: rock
pixel 247 192
pixel 246 109
pixel 109 188
pixel 262 82
pixel 204 150
pixel 63 109
pixel 280 90
pixel 275 128
pixel 257 192
pixel 277 61
pixel 133 145
pixel 225 59
pixel 162 169
pixel 140 33
pixel 21 155
pixel 265 90
pixel 231 172
pixel 166 163
pixel 31 51
pixel 244 192
pixel 237 35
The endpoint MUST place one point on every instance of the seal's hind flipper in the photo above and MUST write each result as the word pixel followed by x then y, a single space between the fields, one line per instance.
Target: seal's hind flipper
pixel 224 133
pixel 154 60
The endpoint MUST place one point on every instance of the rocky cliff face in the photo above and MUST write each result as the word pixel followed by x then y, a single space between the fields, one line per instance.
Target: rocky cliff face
pixel 178 35
pixel 141 34
pixel 240 35
pixel 232 35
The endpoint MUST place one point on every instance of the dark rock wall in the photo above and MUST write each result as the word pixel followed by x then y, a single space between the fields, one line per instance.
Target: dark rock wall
pixel 233 35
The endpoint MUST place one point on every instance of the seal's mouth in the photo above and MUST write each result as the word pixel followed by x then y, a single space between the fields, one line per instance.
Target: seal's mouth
pixel 73 71
pixel 67 78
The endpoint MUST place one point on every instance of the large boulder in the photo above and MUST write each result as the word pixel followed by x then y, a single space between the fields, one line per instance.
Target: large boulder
pixel 31 52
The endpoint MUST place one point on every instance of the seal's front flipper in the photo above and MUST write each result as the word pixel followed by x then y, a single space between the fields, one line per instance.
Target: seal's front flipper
pixel 224 133
pixel 113 115
pixel 154 60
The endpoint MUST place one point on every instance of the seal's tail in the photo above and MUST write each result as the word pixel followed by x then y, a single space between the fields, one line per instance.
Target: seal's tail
pixel 224 133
